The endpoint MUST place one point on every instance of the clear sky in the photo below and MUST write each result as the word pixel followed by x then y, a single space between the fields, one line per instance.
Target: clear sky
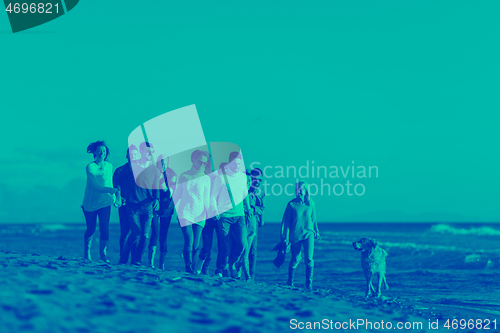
pixel 409 87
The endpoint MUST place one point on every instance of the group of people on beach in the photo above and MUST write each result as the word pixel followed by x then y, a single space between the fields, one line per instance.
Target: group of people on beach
pixel 228 202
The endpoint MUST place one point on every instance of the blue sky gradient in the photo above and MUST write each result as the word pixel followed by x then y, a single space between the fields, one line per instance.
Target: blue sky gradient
pixel 411 88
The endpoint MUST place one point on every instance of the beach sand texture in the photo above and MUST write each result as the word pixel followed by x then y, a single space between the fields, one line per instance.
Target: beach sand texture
pixel 44 288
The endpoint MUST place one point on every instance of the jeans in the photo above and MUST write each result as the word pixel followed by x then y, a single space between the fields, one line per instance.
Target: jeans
pixel 211 225
pixel 252 253
pixel 140 218
pixel 249 257
pixel 308 246
pixel 159 227
pixel 232 229
pixel 124 226
pixel 192 237
pixel 91 221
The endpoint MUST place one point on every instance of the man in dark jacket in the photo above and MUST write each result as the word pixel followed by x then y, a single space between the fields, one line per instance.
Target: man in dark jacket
pixel 142 198
pixel 132 157
pixel 258 212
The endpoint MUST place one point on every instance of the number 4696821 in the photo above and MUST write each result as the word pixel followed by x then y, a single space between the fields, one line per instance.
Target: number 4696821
pixel 32 8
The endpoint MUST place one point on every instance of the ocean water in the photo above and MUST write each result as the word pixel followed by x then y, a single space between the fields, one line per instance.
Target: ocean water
pixel 456 265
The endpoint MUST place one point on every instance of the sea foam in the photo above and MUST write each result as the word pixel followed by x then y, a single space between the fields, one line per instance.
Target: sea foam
pixel 481 231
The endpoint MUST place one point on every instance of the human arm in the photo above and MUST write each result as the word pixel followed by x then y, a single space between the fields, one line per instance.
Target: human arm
pixel 214 195
pixel 260 204
pixel 207 206
pixel 158 186
pixel 285 224
pixel 171 188
pixel 118 201
pixel 170 209
pixel 259 209
pixel 179 189
pixel 315 221
pixel 172 184
pixel 246 204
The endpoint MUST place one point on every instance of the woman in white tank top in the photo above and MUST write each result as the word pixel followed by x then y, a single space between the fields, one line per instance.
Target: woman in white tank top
pixel 99 196
pixel 192 201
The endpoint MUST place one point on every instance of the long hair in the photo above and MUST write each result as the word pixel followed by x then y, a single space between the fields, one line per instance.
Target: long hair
pixel 307 196
pixel 91 148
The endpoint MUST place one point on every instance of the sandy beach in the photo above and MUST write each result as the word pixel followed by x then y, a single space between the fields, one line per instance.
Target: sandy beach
pixel 43 291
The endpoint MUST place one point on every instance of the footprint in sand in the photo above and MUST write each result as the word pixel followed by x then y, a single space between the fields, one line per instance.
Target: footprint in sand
pixel 305 313
pixel 291 306
pixel 41 292
pixel 253 313
pixel 24 311
pixel 202 320
pixel 129 298
pixel 104 305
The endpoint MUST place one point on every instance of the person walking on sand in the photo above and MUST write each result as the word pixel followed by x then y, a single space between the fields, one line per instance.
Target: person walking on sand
pixel 232 223
pixel 254 220
pixel 98 198
pixel 211 225
pixel 259 194
pixel 141 201
pixel 192 201
pixel 162 217
pixel 132 156
pixel 299 227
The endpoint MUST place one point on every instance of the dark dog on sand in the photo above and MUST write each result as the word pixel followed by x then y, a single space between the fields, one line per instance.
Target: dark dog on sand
pixel 373 263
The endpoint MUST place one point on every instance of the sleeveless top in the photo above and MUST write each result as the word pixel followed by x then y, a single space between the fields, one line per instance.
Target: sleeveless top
pixel 96 192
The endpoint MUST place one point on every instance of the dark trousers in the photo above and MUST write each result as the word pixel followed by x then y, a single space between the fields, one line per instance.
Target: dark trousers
pixel 140 219
pixel 91 221
pixel 252 255
pixel 211 225
pixel 249 258
pixel 233 231
pixel 296 249
pixel 124 226
pixel 159 231
pixel 192 237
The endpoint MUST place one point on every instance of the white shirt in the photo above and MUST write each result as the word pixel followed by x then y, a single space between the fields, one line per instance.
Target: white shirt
pixel 99 180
